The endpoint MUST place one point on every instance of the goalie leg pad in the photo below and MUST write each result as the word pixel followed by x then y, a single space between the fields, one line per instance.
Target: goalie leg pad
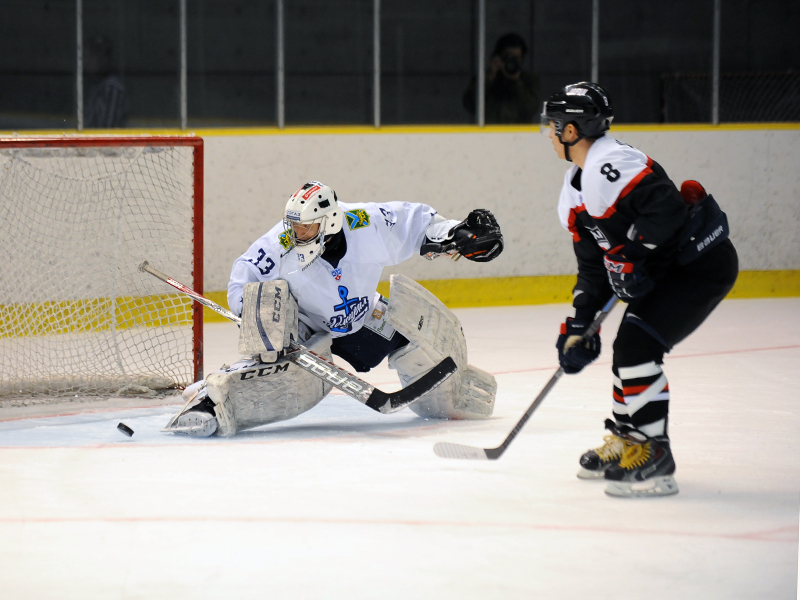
pixel 434 333
pixel 251 393
pixel 269 319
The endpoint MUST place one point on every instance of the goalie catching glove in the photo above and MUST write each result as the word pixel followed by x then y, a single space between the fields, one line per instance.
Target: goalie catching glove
pixel 477 238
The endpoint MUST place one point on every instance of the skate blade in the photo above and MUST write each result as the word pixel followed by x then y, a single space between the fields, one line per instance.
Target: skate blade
pixel 590 475
pixel 657 486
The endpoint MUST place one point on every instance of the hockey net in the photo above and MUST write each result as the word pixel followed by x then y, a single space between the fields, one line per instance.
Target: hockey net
pixel 79 215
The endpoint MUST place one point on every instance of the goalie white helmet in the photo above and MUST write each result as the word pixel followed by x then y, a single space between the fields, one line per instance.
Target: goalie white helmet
pixel 312 213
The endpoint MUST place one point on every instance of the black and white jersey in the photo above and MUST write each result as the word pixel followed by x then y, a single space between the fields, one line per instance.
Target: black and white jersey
pixel 621 196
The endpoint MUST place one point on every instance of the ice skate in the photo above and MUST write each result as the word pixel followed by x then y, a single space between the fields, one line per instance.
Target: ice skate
pixel 594 463
pixel 199 421
pixel 645 469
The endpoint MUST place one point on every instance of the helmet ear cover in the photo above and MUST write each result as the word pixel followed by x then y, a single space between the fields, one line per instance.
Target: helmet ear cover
pixel 559 125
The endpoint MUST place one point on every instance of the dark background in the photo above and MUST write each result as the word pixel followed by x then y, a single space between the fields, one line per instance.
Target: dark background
pixel 655 58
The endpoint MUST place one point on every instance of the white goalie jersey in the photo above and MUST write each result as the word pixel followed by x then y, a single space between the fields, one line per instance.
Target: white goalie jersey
pixel 337 299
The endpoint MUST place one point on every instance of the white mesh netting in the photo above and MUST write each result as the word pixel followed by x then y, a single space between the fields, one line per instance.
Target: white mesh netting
pixel 76 316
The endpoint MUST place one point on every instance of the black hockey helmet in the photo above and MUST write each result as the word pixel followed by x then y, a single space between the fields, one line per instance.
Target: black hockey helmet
pixel 586 105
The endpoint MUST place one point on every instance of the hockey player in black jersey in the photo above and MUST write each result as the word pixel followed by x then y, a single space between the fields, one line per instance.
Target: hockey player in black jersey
pixel 665 253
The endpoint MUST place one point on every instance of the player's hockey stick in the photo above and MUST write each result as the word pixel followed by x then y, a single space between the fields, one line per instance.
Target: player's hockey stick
pixel 448 450
pixel 383 402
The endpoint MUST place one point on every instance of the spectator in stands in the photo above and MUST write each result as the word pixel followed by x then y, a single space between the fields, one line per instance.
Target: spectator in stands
pixel 511 94
pixel 107 103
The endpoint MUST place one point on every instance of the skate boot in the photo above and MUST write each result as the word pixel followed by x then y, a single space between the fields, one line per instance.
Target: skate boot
pixel 196 423
pixel 595 462
pixel 645 469
pixel 199 421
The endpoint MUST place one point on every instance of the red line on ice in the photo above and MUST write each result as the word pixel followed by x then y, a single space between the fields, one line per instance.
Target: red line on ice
pixel 786 534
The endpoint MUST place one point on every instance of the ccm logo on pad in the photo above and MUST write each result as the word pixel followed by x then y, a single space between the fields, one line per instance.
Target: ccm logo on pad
pixel 262 372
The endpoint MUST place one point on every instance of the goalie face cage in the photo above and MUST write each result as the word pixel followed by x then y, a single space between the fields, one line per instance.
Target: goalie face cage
pixel 79 215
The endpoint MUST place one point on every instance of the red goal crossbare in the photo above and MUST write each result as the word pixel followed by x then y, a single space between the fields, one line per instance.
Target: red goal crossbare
pixel 80 213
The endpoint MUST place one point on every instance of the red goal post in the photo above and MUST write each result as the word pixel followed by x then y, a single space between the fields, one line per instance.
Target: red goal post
pixel 81 212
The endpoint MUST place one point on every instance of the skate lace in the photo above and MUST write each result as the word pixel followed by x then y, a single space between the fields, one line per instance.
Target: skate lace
pixel 613 448
pixel 635 455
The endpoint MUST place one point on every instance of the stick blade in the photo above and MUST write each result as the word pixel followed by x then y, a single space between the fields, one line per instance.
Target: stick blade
pixel 448 450
pixel 392 402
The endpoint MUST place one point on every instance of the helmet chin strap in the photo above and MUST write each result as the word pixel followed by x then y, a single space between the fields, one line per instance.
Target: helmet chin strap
pixel 568 145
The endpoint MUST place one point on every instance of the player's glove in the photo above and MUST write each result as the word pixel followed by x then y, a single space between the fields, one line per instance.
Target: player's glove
pixel 627 277
pixel 573 356
pixel 477 238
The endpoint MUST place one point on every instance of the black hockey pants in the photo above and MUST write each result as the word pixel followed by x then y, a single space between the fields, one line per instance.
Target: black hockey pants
pixel 365 349
pixel 682 299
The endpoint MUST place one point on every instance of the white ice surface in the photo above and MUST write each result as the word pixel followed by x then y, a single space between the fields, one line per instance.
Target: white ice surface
pixel 345 503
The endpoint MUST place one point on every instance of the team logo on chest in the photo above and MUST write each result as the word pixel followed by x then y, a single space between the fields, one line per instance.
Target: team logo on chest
pixel 354 309
pixel 337 274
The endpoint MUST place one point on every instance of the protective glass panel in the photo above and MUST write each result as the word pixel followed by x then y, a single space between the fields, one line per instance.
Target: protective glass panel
pixel 37 65
pixel 231 62
pixel 131 63
pixel 759 61
pixel 427 60
pixel 513 90
pixel 328 50
pixel 561 46
pixel 654 62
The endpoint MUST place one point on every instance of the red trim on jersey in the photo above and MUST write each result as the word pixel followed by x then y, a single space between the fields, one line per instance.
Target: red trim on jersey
pixel 573 216
pixel 618 398
pixel 635 181
pixel 628 188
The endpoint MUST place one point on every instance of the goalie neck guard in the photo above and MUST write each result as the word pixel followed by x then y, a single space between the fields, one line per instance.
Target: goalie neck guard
pixel 313 204
pixel 586 105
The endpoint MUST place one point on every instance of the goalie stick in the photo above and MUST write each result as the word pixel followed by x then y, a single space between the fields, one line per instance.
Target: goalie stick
pixel 448 450
pixel 383 402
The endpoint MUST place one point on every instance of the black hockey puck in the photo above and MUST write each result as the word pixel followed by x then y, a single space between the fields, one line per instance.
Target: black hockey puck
pixel 125 429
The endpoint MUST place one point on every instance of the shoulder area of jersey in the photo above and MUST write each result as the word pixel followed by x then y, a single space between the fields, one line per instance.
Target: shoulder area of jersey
pixel 612 163
pixel 607 148
pixel 359 215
